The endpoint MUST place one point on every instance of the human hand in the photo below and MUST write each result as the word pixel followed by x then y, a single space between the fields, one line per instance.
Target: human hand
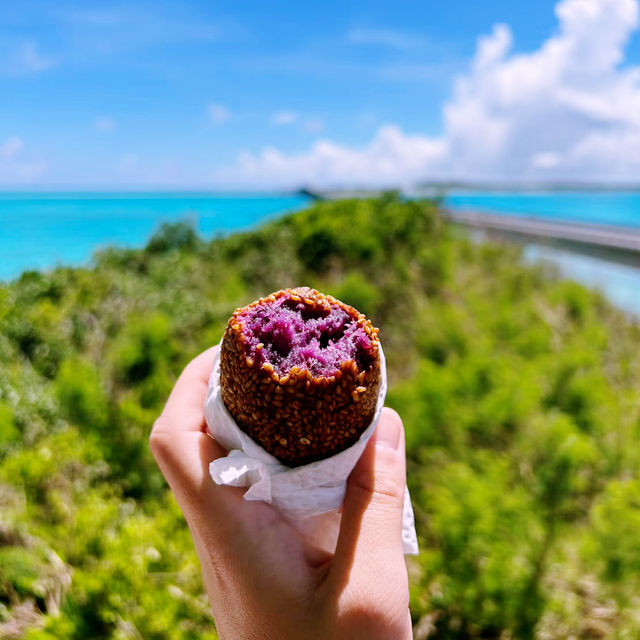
pixel 264 580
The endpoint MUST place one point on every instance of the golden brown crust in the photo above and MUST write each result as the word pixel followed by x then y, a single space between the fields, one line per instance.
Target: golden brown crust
pixel 297 417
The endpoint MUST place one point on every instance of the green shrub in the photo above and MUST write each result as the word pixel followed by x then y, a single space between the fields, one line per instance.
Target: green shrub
pixel 81 395
pixel 520 395
pixel 8 431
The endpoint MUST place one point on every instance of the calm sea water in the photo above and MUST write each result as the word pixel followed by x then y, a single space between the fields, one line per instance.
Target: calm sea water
pixel 43 230
pixel 618 208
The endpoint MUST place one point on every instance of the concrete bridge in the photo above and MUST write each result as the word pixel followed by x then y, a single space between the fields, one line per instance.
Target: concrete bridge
pixel 621 244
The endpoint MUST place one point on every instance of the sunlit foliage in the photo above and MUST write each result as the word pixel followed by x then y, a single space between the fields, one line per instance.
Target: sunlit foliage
pixel 519 391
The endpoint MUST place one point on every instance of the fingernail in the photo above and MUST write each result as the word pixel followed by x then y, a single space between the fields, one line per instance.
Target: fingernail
pixel 388 430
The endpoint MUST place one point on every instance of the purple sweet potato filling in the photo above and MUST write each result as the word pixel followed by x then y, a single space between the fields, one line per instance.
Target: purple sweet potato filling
pixel 294 334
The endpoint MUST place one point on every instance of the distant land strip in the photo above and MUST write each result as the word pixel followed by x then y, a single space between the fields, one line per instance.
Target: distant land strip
pixel 441 189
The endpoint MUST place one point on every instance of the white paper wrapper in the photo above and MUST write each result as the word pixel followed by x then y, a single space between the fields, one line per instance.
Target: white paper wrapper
pixel 310 495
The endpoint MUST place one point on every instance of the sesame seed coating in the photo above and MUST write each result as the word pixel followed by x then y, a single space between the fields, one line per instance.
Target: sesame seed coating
pixel 321 404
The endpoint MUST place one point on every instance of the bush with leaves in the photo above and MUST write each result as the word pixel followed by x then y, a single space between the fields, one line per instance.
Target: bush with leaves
pixel 519 392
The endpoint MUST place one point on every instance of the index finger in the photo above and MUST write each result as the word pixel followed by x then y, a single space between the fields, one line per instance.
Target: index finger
pixel 179 439
pixel 182 446
pixel 184 408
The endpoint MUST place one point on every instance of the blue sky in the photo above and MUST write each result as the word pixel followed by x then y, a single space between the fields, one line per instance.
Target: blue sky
pixel 197 94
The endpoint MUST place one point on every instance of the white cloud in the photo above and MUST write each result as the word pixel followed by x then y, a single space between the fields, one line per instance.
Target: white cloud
pixel 546 160
pixel 553 112
pixel 382 37
pixel 105 124
pixel 284 117
pixel 567 110
pixel 389 158
pixel 218 113
pixel 17 166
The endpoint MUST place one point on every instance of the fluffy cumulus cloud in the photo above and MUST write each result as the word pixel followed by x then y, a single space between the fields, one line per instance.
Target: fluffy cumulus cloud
pixel 391 156
pixel 568 110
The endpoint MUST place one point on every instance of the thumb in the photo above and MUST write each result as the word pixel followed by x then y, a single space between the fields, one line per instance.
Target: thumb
pixel 369 548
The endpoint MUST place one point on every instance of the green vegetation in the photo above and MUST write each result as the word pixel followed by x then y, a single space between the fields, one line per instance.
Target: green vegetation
pixel 519 391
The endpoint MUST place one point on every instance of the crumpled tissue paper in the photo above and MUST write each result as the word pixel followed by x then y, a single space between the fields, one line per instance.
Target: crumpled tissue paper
pixel 309 496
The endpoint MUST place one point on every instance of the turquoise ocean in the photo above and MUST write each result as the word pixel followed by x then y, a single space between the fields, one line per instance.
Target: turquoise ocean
pixel 42 230
pixel 596 207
